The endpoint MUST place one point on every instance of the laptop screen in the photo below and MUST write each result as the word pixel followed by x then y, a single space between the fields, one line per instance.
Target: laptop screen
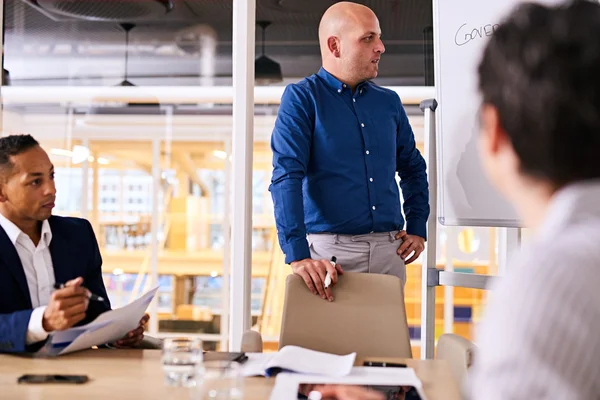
pixel 322 391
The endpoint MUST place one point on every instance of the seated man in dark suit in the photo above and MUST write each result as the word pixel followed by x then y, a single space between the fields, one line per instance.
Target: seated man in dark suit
pixel 38 250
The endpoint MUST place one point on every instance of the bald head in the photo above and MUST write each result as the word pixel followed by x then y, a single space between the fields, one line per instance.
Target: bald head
pixel 350 42
pixel 339 18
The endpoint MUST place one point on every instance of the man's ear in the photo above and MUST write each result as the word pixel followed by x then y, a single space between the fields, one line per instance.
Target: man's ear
pixel 493 134
pixel 3 181
pixel 3 197
pixel 333 44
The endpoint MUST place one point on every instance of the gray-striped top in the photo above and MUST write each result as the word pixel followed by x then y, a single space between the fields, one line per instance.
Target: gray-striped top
pixel 540 338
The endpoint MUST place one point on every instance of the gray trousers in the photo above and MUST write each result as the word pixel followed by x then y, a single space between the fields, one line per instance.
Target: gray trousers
pixel 372 253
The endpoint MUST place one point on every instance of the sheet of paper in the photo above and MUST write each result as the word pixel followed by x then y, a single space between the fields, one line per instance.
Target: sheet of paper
pixel 286 384
pixel 298 359
pixel 71 334
pixel 256 364
pixel 108 327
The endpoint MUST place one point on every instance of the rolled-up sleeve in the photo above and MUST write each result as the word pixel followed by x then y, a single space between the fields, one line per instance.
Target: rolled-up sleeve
pixel 412 170
pixel 290 143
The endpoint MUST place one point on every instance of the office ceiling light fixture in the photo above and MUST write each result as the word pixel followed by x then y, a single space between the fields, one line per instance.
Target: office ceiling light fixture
pixel 61 152
pixel 220 154
pixel 79 155
pixel 266 70
pixel 126 27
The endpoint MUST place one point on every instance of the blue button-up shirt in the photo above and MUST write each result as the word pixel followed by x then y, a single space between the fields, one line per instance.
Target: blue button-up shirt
pixel 335 158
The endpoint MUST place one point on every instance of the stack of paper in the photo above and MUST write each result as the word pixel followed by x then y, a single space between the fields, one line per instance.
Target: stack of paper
pixel 107 328
pixel 299 360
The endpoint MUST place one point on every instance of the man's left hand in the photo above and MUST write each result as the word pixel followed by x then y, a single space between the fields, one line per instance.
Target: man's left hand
pixel 134 337
pixel 410 243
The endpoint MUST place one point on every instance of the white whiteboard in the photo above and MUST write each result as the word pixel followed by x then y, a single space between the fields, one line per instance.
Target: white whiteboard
pixel 461 29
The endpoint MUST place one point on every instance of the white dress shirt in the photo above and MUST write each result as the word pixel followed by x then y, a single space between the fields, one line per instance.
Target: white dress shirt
pixel 39 271
pixel 540 338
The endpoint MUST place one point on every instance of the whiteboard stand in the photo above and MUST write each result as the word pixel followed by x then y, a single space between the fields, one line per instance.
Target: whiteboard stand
pixel 509 241
pixel 451 251
pixel 429 271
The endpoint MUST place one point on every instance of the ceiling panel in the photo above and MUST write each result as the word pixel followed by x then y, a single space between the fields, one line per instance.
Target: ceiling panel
pixel 400 19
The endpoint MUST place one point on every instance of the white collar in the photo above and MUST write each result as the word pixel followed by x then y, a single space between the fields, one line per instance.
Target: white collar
pixel 13 232
pixel 572 204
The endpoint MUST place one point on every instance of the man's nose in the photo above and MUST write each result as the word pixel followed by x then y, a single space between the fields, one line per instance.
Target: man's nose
pixel 50 188
pixel 380 48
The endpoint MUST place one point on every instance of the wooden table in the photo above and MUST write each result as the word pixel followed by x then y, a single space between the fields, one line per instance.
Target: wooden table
pixel 137 374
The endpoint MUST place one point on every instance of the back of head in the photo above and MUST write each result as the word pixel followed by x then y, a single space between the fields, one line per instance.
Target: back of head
pixel 14 145
pixel 541 71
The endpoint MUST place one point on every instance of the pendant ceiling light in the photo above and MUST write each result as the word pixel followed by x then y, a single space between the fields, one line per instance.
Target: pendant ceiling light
pixel 126 27
pixel 266 70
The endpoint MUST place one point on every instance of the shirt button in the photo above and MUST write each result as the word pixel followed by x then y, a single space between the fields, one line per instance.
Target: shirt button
pixel 344 85
pixel 370 179
pixel 363 125
pixel 360 92
pixel 339 90
pixel 367 152
pixel 373 208
pixel 354 100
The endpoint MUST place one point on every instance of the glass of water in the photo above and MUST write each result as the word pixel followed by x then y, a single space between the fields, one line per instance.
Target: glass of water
pixel 180 356
pixel 218 380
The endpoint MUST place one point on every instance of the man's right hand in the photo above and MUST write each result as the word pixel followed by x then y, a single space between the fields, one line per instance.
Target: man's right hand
pixel 67 306
pixel 313 273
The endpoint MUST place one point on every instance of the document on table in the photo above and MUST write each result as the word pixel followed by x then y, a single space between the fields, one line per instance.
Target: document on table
pixel 107 328
pixel 300 360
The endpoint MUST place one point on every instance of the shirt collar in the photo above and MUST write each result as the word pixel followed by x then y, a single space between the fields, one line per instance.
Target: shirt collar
pixel 13 232
pixel 336 84
pixel 574 203
pixel 46 233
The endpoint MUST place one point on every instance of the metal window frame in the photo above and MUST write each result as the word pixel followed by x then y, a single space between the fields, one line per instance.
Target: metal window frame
pixel 244 27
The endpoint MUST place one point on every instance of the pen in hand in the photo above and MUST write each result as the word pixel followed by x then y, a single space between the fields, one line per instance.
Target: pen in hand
pixel 92 296
pixel 328 275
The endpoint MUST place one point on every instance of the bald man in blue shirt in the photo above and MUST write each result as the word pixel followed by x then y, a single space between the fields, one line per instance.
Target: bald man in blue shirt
pixel 338 142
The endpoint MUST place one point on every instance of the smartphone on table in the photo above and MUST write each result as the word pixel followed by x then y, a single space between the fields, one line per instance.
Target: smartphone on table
pixel 52 378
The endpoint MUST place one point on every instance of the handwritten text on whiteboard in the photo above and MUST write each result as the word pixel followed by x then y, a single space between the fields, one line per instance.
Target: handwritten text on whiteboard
pixel 464 34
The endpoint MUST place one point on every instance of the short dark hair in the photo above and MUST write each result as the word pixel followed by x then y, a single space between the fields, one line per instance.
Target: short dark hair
pixel 14 145
pixel 541 70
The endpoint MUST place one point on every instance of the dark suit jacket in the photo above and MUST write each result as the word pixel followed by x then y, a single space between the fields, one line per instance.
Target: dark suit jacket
pixel 75 253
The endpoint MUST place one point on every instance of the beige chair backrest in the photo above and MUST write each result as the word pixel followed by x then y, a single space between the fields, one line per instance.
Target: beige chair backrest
pixel 367 316
pixel 458 352
pixel 252 342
